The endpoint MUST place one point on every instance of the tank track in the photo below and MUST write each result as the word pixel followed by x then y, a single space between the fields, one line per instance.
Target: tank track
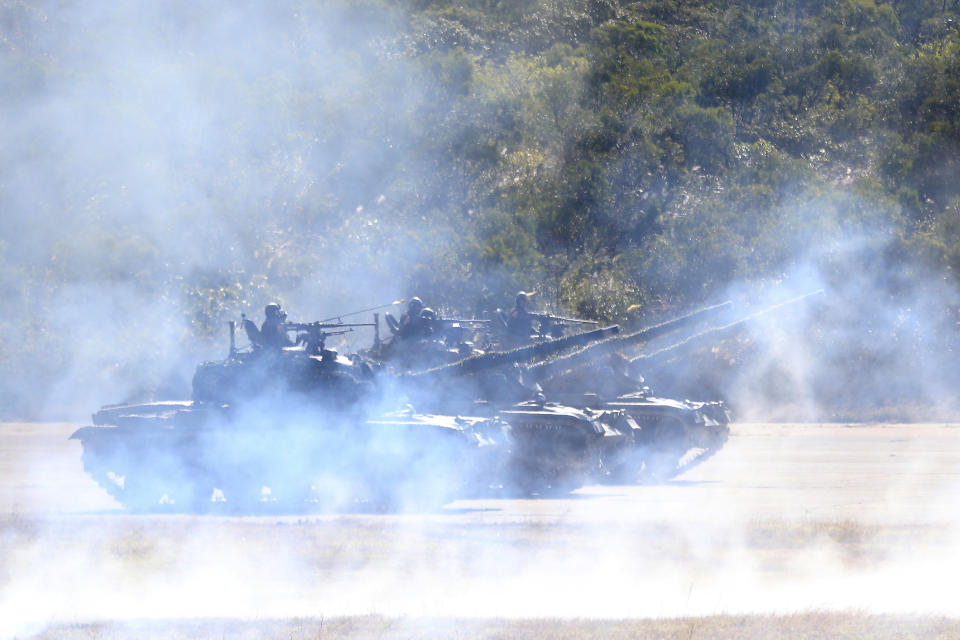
pixel 695 456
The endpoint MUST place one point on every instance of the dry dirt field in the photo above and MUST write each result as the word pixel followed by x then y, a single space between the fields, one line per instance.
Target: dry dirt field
pixel 806 531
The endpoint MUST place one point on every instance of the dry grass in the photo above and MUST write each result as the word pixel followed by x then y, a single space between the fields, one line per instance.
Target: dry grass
pixel 327 544
pixel 153 545
pixel 808 626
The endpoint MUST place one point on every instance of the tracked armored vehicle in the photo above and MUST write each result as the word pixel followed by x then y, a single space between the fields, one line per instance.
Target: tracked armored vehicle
pixel 672 435
pixel 612 427
pixel 554 447
pixel 289 427
pixel 669 438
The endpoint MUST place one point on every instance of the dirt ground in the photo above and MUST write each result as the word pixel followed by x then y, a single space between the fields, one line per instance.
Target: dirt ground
pixel 845 524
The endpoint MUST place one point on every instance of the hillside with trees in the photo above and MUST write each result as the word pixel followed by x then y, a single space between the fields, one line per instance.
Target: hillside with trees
pixel 167 168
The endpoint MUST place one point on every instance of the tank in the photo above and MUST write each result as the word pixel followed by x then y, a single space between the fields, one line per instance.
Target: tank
pixel 674 435
pixel 554 447
pixel 604 423
pixel 671 436
pixel 291 427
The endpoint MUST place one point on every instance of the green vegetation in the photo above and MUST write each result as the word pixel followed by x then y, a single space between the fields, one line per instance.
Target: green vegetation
pixel 610 153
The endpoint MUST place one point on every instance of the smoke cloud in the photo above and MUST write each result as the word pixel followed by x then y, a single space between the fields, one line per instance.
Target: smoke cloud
pixel 156 159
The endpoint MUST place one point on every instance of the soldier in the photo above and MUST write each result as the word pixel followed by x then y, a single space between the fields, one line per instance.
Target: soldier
pixel 413 323
pixel 272 332
pixel 519 321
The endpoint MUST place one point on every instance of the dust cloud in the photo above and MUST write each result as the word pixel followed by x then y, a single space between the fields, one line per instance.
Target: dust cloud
pixel 158 181
pixel 787 518
pixel 118 570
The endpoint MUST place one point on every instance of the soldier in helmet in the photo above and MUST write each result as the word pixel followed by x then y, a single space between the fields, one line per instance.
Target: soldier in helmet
pixel 519 321
pixel 272 332
pixel 414 324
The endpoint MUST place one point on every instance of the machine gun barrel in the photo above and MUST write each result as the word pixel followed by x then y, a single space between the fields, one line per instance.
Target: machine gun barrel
pixel 548 369
pixel 314 334
pixel 354 313
pixel 322 326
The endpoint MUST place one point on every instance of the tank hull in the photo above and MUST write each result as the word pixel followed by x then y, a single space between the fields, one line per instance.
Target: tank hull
pixel 671 436
pixel 187 457
pixel 557 448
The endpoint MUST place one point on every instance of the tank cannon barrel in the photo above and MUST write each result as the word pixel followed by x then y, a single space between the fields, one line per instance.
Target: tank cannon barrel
pixel 708 336
pixel 552 319
pixel 545 370
pixel 537 351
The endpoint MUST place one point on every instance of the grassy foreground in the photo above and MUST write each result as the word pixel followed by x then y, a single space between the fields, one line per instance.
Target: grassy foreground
pixel 809 626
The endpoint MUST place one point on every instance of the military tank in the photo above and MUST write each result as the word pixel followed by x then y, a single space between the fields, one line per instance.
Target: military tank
pixel 672 436
pixel 604 423
pixel 554 447
pixel 292 427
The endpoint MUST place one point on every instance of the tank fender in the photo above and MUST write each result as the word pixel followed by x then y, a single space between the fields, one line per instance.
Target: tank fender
pixel 84 432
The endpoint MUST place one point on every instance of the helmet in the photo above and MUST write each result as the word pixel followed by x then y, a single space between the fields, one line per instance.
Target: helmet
pixel 272 310
pixel 415 305
pixel 428 314
pixel 521 299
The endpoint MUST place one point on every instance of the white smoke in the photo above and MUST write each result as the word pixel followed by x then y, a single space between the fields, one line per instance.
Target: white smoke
pixel 161 158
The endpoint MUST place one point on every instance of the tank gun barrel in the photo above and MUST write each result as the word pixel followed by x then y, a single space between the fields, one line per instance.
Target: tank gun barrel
pixel 545 370
pixel 546 317
pixel 707 336
pixel 522 354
